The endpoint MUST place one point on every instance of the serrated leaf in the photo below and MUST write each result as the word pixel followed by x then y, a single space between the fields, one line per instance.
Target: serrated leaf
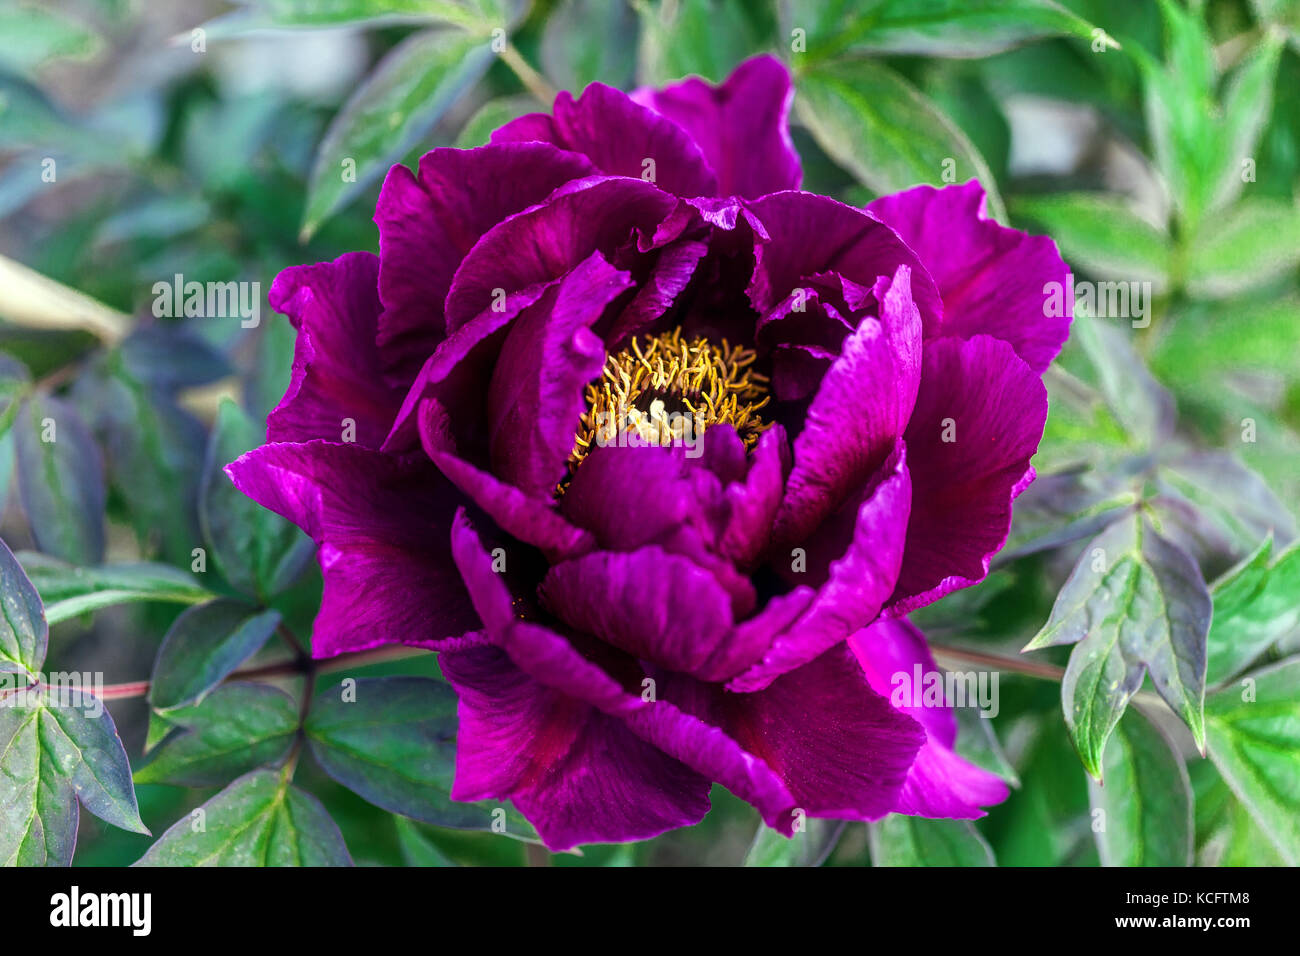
pixel 395 746
pixel 1135 604
pixel 899 840
pixel 24 632
pixel 1141 404
pixel 258 551
pixel 1100 234
pixel 408 92
pixel 885 132
pixel 259 820
pixel 203 646
pixel 1145 805
pixel 69 590
pixel 808 847
pixel 1253 732
pixel 236 728
pixel 965 28
pixel 60 480
pixel 58 750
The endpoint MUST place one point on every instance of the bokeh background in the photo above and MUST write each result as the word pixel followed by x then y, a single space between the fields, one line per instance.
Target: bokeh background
pixel 1156 143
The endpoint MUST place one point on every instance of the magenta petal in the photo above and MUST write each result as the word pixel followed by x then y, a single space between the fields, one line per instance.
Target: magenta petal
pixel 807 236
pixel 429 221
pixel 657 606
pixel 380 524
pixel 535 398
pixel 978 420
pixel 550 240
pixel 741 126
pixel 753 502
pixel 860 410
pixel 337 380
pixel 991 278
pixel 857 583
pixel 621 137
pixel 838 745
pixel 940 783
pixel 577 774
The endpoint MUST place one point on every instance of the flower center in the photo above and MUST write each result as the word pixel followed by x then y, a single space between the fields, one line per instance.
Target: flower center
pixel 667 390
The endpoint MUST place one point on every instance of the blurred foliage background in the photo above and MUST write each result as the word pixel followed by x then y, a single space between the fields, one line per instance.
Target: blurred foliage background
pixel 1156 142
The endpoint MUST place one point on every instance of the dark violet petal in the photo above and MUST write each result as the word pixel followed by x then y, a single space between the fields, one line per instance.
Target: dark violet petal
pixel 753 502
pixel 429 220
pixel 620 136
pixel 978 420
pixel 856 584
pixel 577 774
pixel 940 783
pixel 810 236
pixel 535 397
pixel 336 371
pixel 836 743
pixel 455 379
pixel 657 606
pixel 547 242
pixel 741 126
pixel 532 520
pixel 668 278
pixel 991 278
pixel 381 525
pixel 860 409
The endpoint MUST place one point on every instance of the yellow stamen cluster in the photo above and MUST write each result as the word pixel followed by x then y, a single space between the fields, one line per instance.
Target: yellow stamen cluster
pixel 666 390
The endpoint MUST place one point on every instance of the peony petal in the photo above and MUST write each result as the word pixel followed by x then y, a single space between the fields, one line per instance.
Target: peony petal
pixel 547 242
pixel 742 125
pixel 992 279
pixel 809 237
pixel 940 783
pixel 535 398
pixel 860 409
pixel 978 420
pixel 577 774
pixel 753 502
pixel 620 136
pixel 336 377
pixel 381 525
pixel 855 584
pixel 428 221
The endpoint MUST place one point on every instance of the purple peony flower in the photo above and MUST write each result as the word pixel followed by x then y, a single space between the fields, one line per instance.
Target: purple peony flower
pixel 657 451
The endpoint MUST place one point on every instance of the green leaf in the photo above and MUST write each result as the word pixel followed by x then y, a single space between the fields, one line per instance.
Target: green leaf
pixel 417 848
pixel 1247 101
pixel 68 590
pixel 24 633
pixel 1251 244
pixel 965 28
pixel 408 92
pixel 1134 604
pixel 1066 506
pixel 1235 499
pixel 258 551
pixel 1226 833
pixel 1141 404
pixel 899 840
pixel 31 36
pixel 15 382
pixel 204 645
pixel 259 820
pixel 236 728
pixel 1100 234
pixel 395 745
pixel 704 37
pixel 492 115
pixel 585 41
pixel 1253 730
pixel 1143 814
pixel 58 748
pixel 60 480
pixel 372 14
pixel 1255 604
pixel 885 132
pixel 808 847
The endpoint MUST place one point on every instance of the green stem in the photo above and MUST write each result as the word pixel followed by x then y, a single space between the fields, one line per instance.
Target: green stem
pixel 533 81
